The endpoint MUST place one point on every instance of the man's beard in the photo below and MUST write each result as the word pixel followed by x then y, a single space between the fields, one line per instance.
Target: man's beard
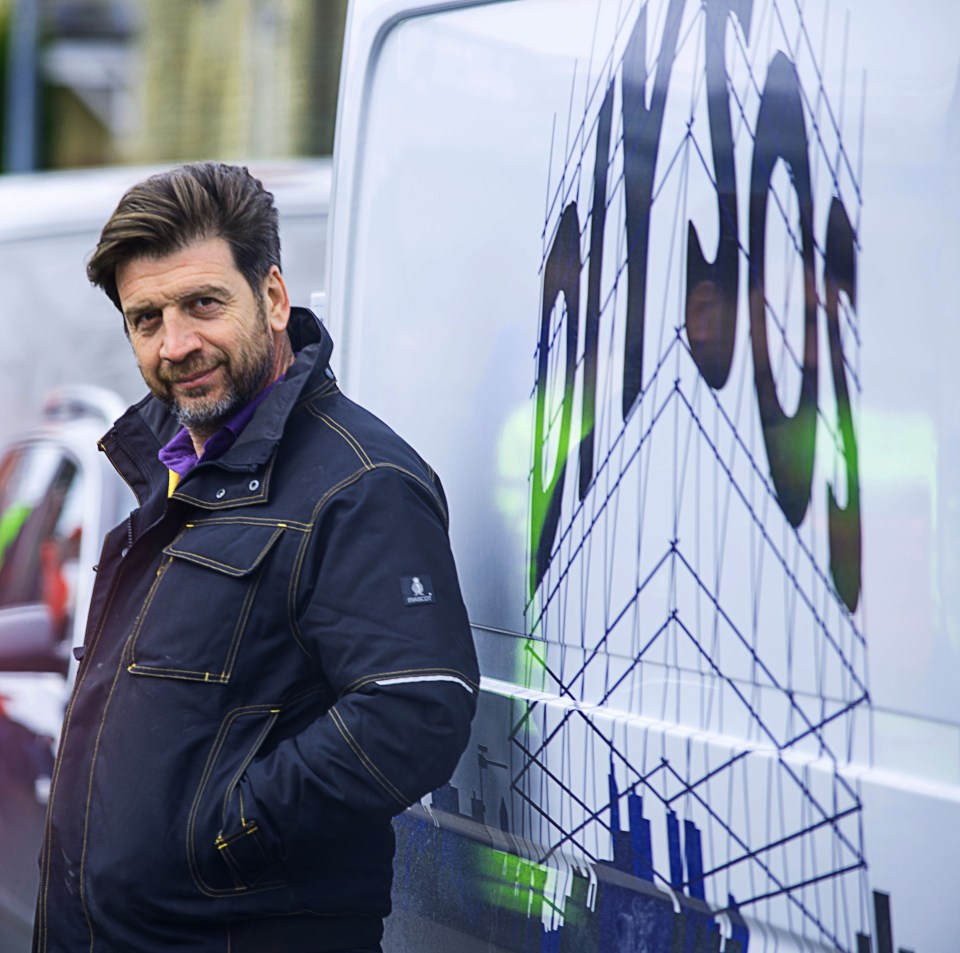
pixel 247 373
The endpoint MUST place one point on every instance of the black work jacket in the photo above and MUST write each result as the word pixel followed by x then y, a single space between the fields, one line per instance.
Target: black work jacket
pixel 277 660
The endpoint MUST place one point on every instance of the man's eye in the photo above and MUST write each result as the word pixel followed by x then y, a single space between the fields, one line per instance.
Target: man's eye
pixel 205 304
pixel 145 321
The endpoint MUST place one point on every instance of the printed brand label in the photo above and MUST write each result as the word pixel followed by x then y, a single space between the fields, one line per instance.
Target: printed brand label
pixel 417 590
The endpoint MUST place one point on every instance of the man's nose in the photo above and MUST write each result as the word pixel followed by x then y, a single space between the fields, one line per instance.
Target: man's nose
pixel 180 338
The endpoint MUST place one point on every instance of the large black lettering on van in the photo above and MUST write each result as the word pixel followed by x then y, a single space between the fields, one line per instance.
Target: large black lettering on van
pixel 711 286
pixel 790 439
pixel 711 314
pixel 703 551
pixel 642 127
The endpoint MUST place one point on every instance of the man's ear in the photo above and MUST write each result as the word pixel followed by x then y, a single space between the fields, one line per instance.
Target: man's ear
pixel 277 300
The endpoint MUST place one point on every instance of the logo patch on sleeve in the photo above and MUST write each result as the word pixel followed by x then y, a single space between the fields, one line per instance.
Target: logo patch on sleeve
pixel 417 590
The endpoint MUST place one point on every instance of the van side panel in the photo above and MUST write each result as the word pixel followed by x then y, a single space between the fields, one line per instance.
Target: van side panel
pixel 663 291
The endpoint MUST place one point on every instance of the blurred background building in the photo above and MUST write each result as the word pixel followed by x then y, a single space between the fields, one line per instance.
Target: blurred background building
pixel 89 82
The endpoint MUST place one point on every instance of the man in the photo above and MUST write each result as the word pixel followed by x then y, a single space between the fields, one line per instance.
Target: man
pixel 277 658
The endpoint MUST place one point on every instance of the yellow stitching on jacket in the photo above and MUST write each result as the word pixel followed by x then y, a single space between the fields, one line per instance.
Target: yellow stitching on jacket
pixel 241 626
pixel 245 519
pixel 292 581
pixel 369 464
pixel 192 675
pixel 321 503
pixel 45 883
pixel 145 608
pixel 348 437
pixel 365 760
pixel 210 562
pixel 245 763
pixel 432 490
pixel 327 389
pixel 298 562
pixel 212 758
pixel 247 500
pixel 195 675
pixel 86 815
pixel 185 674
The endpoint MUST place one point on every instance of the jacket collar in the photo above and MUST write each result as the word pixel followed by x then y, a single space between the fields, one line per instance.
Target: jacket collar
pixel 134 440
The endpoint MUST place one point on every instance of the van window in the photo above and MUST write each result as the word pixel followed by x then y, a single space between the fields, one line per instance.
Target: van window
pixel 41 520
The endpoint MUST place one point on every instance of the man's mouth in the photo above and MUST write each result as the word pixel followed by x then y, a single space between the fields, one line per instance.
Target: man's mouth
pixel 194 379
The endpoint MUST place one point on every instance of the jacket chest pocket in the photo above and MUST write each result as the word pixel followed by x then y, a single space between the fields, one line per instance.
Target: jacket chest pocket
pixel 194 616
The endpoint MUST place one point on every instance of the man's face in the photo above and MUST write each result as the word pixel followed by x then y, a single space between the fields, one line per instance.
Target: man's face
pixel 205 343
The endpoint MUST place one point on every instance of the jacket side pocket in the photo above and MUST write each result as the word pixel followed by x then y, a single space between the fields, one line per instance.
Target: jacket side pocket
pixel 228 851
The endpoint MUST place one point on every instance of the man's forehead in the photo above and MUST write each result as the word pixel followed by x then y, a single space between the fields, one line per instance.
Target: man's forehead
pixel 202 264
pixel 213 249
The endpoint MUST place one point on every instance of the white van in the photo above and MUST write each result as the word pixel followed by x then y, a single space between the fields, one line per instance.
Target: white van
pixel 66 372
pixel 665 290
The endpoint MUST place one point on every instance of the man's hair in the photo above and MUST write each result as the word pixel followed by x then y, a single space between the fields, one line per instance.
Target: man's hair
pixel 194 202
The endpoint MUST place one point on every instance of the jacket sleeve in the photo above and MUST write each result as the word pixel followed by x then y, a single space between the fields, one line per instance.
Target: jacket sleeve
pixel 379 607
